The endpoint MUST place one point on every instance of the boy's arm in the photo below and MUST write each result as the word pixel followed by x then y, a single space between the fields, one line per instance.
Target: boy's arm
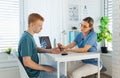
pixel 54 50
pixel 27 61
pixel 42 50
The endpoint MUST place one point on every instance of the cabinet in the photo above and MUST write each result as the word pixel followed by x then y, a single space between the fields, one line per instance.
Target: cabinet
pixel 107 61
pixel 10 72
pixel 8 66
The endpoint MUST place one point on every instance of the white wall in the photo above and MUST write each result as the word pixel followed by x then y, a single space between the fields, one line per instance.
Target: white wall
pixel 52 11
pixel 116 40
pixel 56 15
pixel 107 61
pixel 93 7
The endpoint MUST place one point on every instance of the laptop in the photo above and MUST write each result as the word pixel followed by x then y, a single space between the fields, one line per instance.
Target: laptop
pixel 45 42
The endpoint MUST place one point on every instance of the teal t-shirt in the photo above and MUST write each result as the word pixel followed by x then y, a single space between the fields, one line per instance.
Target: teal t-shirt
pixel 27 47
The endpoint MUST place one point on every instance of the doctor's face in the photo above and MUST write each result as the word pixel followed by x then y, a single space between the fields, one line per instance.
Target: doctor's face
pixel 37 26
pixel 84 26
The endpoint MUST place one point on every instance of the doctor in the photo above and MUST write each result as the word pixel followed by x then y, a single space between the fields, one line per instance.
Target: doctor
pixel 28 50
pixel 86 41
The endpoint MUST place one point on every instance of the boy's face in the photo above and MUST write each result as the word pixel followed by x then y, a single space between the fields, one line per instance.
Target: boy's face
pixel 37 26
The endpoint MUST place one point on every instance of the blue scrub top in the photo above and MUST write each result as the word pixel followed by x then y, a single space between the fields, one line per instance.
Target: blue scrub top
pixel 91 39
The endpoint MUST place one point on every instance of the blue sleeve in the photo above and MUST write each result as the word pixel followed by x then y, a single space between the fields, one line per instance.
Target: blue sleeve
pixel 78 38
pixel 92 39
pixel 26 47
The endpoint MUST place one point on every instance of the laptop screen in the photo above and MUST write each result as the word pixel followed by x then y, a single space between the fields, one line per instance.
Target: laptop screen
pixel 45 42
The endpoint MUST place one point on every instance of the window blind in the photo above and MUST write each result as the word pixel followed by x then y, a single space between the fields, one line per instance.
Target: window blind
pixel 9 24
pixel 108 12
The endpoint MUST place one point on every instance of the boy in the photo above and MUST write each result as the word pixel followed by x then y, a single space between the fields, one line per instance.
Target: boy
pixel 28 50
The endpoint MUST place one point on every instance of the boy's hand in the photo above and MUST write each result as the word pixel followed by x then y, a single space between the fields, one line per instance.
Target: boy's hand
pixel 49 69
pixel 55 50
pixel 61 47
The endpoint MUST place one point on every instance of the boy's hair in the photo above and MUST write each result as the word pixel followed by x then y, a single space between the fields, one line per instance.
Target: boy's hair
pixel 34 17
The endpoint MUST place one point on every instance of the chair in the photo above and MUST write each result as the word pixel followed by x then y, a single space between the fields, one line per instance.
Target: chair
pixel 95 75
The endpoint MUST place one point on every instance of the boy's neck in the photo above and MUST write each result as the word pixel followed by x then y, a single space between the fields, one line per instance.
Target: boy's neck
pixel 30 31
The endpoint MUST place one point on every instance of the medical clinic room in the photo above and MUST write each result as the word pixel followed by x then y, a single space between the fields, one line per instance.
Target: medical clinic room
pixel 59 39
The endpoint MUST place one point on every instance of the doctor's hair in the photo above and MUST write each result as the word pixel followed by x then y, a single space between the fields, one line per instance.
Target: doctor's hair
pixel 34 17
pixel 90 21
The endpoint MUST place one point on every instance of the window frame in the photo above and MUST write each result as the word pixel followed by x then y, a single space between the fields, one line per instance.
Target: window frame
pixel 107 12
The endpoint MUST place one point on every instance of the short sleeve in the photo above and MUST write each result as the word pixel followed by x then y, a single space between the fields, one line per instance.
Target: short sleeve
pixel 78 38
pixel 92 39
pixel 26 48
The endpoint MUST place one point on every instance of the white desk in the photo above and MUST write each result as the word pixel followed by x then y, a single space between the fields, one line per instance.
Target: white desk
pixel 73 57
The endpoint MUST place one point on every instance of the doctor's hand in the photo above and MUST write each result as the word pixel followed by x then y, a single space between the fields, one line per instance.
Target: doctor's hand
pixel 55 50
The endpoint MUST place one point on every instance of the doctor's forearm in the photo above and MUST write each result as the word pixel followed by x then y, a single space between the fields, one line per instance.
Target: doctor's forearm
pixel 81 50
pixel 78 50
pixel 71 45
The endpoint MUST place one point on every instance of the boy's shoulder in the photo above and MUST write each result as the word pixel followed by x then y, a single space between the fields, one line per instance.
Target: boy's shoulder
pixel 25 36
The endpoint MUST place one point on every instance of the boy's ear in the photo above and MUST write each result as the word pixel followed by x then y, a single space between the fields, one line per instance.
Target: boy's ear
pixel 31 24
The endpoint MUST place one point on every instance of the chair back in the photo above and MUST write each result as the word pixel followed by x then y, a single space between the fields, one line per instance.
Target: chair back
pixel 103 69
pixel 23 73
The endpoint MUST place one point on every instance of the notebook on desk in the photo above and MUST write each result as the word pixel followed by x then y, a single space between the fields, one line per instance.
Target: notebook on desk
pixel 45 42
